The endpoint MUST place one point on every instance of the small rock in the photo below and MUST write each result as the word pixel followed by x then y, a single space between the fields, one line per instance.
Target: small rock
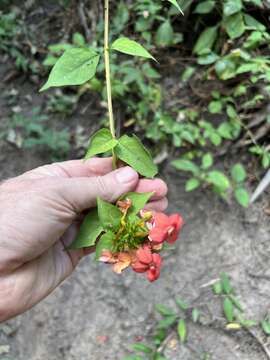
pixel 4 349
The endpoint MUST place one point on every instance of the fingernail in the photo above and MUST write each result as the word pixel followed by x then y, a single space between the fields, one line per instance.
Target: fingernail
pixel 126 175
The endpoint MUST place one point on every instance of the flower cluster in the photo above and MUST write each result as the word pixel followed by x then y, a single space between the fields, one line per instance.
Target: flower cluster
pixel 145 258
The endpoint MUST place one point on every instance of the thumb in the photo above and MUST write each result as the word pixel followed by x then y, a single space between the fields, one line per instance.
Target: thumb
pixel 82 193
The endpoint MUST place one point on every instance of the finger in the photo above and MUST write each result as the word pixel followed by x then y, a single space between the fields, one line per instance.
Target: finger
pixel 72 168
pixel 82 193
pixel 159 205
pixel 157 186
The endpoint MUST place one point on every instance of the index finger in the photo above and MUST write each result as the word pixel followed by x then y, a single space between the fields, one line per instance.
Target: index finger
pixel 72 168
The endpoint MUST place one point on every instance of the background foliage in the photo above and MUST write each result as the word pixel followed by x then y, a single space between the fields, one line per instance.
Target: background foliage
pixel 205 101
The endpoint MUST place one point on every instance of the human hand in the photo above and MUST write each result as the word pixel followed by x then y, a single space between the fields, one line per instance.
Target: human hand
pixel 39 218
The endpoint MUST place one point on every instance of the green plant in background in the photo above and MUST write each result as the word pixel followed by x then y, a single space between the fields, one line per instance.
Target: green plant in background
pixel 239 176
pixel 225 54
pixel 62 104
pixel 58 49
pixel 263 153
pixel 11 28
pixel 265 324
pixel 175 322
pixel 33 132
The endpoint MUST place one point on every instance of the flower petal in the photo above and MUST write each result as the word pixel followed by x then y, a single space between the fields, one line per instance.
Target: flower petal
pixel 161 220
pixel 157 260
pixel 139 267
pixel 153 274
pixel 124 260
pixel 144 255
pixel 107 257
pixel 158 235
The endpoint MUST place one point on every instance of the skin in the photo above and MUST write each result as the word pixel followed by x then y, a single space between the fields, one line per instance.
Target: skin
pixel 41 213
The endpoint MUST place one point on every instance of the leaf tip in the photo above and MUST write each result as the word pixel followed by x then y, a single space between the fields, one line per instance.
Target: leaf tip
pixel 44 87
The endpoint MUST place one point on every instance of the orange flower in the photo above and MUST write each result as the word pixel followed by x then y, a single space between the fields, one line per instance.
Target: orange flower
pixel 120 261
pixel 123 262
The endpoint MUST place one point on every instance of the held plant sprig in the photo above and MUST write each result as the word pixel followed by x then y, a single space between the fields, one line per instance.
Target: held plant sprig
pixel 124 234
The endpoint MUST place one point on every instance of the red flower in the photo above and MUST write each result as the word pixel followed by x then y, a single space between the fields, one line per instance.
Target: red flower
pixel 165 228
pixel 147 262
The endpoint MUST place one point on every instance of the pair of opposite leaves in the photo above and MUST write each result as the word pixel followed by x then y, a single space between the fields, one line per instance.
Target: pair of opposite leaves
pixel 104 221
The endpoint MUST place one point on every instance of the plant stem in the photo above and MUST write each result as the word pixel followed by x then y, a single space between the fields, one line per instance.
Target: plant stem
pixel 108 72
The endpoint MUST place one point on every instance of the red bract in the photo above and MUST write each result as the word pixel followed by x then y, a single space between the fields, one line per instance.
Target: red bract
pixel 165 228
pixel 147 262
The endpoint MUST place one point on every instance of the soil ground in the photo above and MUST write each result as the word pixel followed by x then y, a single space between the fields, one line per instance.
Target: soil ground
pixel 96 315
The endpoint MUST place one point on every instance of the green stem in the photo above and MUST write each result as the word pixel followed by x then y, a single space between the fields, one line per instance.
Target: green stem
pixel 108 72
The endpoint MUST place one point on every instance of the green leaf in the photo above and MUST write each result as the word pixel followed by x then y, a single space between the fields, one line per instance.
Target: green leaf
pixel 78 39
pixel 159 336
pixel 90 230
pixel 225 69
pixel 164 35
pixel 236 303
pixel 187 73
pixel 266 160
pixel 186 165
pixel 101 142
pixel 75 67
pixel 215 107
pixel 59 48
pixel 217 288
pixel 208 59
pixel 205 7
pixel 234 25
pixel 266 327
pixel 182 304
pixel 167 322
pixel 228 309
pixel 182 330
pixel 231 7
pixel 218 179
pixel 226 284
pixel 142 348
pixel 109 215
pixel 131 151
pixel 231 112
pixel 195 315
pixel 175 3
pixel 253 23
pixel 139 200
pixel 131 47
pixel 106 242
pixel 206 41
pixel 164 310
pixel 207 161
pixel 238 173
pixel 246 322
pixel 192 184
pixel 215 138
pixel 242 196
